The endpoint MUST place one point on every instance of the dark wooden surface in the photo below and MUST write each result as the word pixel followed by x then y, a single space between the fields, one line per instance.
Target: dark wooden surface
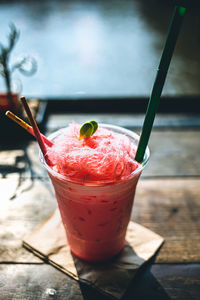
pixel 167 201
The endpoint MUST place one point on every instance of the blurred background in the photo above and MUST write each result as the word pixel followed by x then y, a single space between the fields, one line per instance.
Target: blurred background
pixel 107 48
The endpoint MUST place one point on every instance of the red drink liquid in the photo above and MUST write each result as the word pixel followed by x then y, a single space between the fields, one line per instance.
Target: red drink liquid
pixel 96 213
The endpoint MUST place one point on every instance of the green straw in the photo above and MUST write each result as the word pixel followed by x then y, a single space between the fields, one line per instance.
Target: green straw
pixel 163 67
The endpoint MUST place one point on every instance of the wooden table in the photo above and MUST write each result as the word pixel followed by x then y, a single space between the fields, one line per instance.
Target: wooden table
pixel 167 202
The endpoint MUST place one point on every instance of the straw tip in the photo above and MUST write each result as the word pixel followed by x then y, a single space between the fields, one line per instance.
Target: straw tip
pixel 22 98
pixel 7 112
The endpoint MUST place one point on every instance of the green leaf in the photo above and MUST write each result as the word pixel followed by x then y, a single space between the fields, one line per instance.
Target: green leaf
pixel 88 129
pixel 95 125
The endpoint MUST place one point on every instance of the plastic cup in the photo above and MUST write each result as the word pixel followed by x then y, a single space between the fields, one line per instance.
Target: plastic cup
pixel 96 214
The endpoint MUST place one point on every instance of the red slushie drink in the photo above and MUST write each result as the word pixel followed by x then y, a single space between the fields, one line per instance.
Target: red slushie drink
pixel 95 180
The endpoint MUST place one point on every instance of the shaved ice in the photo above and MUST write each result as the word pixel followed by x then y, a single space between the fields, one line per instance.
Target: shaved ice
pixel 106 155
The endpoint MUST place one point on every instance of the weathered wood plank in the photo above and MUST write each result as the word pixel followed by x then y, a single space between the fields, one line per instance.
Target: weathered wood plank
pixel 166 282
pixel 171 208
pixel 22 161
pixel 180 282
pixel 174 153
pixel 33 203
pixel 24 282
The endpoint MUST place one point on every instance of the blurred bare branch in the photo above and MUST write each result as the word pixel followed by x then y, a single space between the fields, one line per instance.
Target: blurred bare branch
pixel 27 65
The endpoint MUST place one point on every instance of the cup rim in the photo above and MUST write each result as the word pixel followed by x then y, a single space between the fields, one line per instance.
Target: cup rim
pixel 123 130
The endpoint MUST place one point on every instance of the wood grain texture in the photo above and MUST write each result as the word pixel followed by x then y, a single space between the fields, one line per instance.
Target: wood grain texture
pixel 22 208
pixel 171 208
pixel 158 282
pixel 174 153
pixel 34 282
pixel 166 282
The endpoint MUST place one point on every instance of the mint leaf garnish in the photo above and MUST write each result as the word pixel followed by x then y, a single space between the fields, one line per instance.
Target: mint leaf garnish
pixel 88 129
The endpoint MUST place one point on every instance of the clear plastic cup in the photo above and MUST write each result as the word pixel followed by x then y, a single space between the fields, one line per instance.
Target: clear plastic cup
pixel 96 214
